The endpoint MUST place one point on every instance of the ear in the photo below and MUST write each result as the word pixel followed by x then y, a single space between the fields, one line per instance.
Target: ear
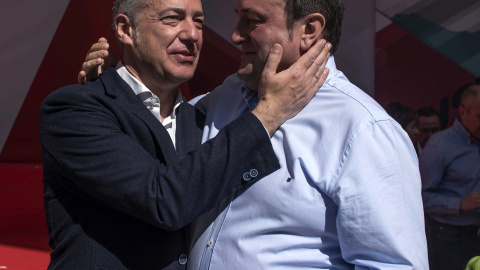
pixel 124 29
pixel 462 112
pixel 314 24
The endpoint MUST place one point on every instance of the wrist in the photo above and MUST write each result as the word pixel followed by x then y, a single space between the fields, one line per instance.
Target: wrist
pixel 270 121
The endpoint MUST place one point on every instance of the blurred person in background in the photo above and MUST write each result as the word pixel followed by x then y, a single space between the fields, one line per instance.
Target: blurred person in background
pixel 449 166
pixel 406 117
pixel 428 124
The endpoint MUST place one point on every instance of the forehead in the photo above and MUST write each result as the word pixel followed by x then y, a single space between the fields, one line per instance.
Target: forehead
pixel 193 5
pixel 276 7
pixel 428 120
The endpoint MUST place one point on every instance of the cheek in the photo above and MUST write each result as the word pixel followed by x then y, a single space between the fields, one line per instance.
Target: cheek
pixel 263 39
pixel 200 41
pixel 291 51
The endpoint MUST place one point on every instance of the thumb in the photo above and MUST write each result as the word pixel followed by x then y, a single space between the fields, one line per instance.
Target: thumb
pixel 273 60
pixel 81 77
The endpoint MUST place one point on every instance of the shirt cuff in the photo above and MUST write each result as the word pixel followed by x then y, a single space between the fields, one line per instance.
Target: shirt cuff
pixel 454 205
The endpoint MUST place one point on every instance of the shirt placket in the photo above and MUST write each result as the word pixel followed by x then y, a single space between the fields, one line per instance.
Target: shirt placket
pixel 251 100
pixel 215 230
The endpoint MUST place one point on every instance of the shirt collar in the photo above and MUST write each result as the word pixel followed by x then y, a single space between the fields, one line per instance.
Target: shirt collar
pixel 332 67
pixel 463 132
pixel 141 90
pixel 250 97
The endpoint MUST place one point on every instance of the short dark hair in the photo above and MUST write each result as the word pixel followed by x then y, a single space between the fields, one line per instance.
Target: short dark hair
pixel 427 112
pixel 468 95
pixel 333 11
pixel 402 114
pixel 457 96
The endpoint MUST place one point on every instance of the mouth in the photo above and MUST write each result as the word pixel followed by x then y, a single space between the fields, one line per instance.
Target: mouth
pixel 185 56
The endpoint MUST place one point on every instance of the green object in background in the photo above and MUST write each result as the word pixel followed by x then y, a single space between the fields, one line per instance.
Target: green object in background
pixel 473 264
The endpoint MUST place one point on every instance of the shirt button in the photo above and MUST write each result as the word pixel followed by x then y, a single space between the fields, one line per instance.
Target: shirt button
pixel 253 173
pixel 246 176
pixel 182 260
pixel 210 243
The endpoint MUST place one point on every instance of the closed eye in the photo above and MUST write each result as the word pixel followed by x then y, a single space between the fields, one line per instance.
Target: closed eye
pixel 199 23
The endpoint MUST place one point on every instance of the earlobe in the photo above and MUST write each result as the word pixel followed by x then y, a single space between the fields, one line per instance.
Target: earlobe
pixel 312 30
pixel 461 111
pixel 124 29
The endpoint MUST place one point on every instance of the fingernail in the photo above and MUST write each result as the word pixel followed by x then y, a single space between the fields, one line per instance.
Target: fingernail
pixel 276 48
pixel 329 45
pixel 323 41
pixel 325 71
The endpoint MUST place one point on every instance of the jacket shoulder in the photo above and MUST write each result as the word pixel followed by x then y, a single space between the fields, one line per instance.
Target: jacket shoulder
pixel 108 85
pixel 75 92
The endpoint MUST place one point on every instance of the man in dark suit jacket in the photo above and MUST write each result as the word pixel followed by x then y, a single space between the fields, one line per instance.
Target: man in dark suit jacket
pixel 118 191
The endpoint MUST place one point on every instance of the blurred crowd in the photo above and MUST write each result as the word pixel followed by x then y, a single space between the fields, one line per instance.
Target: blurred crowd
pixel 449 161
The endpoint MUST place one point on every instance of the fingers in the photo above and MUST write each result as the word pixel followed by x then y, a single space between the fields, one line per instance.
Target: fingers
pixel 98 50
pixel 96 54
pixel 322 73
pixel 102 44
pixel 316 68
pixel 321 79
pixel 102 40
pixel 92 65
pixel 82 77
pixel 273 60
pixel 95 58
pixel 311 56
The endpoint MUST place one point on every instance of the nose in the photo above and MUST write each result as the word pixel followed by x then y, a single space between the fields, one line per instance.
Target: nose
pixel 238 35
pixel 189 32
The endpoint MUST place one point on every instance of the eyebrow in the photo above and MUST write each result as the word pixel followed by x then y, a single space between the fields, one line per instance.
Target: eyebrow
pixel 197 13
pixel 246 10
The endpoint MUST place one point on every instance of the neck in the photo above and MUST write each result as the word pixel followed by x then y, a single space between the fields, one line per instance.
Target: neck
pixel 167 94
pixel 467 129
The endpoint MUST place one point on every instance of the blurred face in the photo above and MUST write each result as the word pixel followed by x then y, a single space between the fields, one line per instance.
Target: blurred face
pixel 471 117
pixel 427 126
pixel 261 24
pixel 412 130
pixel 167 40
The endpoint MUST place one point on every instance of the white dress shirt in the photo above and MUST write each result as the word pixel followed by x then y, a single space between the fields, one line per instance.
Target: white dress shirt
pixel 151 101
pixel 347 196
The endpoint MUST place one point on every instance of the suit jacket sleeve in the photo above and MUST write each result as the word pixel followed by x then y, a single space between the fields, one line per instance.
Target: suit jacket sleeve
pixel 85 148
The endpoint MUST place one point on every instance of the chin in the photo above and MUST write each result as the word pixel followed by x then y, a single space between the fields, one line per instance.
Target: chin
pixel 185 73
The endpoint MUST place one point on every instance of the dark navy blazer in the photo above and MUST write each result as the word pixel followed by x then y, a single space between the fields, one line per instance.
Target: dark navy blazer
pixel 117 194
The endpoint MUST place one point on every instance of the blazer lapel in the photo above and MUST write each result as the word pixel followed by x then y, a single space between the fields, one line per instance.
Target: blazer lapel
pixel 158 130
pixel 190 124
pixel 116 87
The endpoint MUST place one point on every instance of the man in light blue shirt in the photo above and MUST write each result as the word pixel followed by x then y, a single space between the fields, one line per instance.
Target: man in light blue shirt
pixel 450 169
pixel 348 194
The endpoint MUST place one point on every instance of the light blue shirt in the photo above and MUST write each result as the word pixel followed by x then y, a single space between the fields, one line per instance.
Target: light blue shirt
pixel 450 168
pixel 348 191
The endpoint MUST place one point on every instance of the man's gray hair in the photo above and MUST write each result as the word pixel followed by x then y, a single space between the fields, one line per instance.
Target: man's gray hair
pixel 131 8
pixel 469 95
